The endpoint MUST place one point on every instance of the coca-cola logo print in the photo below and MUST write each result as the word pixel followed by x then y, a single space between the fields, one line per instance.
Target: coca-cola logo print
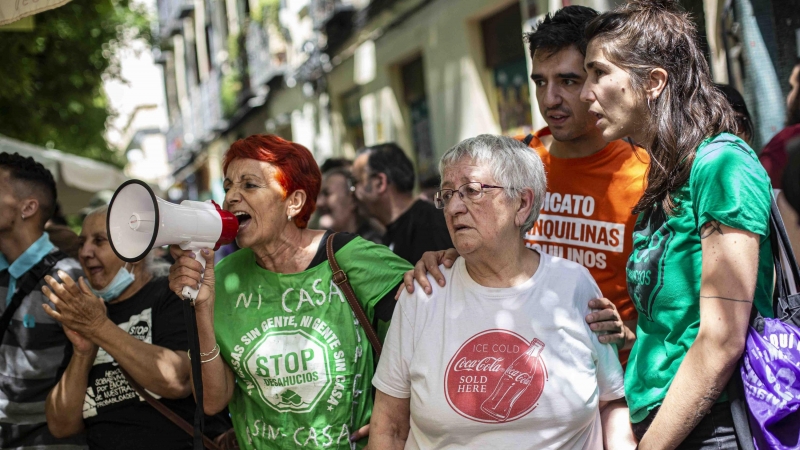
pixel 496 376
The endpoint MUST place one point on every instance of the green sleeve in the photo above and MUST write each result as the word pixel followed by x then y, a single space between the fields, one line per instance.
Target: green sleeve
pixel 373 270
pixel 729 185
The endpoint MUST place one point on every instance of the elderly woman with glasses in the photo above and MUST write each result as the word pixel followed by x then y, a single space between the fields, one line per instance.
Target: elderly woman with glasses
pixel 500 357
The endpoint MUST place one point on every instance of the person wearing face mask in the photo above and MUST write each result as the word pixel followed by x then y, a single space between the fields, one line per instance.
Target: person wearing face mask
pixel 123 323
pixel 32 345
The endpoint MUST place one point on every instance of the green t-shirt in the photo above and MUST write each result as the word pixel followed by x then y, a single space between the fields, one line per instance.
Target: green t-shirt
pixel 726 184
pixel 303 369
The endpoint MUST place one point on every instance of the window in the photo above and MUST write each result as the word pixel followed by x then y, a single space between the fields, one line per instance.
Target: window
pixel 413 76
pixel 505 56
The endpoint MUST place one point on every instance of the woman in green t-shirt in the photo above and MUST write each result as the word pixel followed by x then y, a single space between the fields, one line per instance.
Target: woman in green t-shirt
pixel 701 255
pixel 278 339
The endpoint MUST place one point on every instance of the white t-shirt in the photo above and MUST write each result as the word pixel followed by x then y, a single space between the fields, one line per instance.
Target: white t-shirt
pixel 501 368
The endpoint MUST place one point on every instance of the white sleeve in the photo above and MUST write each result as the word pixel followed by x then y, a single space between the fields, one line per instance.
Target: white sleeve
pixel 392 376
pixel 610 375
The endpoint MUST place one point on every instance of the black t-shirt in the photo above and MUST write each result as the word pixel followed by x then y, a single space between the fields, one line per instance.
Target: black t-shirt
pixel 114 415
pixel 420 229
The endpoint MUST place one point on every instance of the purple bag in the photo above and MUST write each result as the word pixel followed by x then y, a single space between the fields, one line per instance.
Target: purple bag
pixel 768 415
pixel 771 376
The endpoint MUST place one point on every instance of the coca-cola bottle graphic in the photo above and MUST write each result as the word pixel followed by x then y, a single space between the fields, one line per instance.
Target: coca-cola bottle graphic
pixel 514 382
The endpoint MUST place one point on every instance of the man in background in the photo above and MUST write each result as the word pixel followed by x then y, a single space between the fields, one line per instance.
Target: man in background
pixel 337 203
pixel 384 183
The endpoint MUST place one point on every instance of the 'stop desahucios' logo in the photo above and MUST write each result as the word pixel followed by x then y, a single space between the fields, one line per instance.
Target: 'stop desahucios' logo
pixel 290 370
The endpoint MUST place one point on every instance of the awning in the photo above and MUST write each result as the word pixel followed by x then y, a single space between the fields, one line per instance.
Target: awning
pixel 13 10
pixel 77 178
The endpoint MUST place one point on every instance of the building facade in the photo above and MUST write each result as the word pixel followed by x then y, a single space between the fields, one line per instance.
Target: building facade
pixel 336 75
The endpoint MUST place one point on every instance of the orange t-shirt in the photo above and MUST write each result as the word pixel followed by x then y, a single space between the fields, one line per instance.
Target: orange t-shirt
pixel 586 214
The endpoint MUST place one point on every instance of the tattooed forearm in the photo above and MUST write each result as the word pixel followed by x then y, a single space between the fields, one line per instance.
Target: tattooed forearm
pixel 727 299
pixel 710 228
pixel 704 407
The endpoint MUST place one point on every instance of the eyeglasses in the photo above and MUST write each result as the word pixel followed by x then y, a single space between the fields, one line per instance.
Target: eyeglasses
pixel 471 191
pixel 353 181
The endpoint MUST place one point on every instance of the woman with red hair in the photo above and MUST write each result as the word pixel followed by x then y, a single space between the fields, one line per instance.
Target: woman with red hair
pixel 278 338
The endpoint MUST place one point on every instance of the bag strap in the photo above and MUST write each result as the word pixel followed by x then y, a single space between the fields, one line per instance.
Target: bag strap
pixel 340 278
pixel 27 283
pixel 781 246
pixel 528 139
pixel 168 413
pixel 190 318
pixel 779 241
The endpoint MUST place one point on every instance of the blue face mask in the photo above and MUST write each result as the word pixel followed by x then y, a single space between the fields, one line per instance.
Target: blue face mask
pixel 121 281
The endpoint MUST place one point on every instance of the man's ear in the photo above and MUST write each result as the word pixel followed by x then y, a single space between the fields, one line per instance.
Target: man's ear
pixel 526 198
pixel 656 83
pixel 383 182
pixel 30 206
pixel 295 202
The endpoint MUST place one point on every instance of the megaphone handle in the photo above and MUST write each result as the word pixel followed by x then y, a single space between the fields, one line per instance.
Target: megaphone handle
pixel 189 292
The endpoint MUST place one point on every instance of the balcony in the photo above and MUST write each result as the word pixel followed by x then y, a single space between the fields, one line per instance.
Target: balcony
pixel 175 141
pixel 170 13
pixel 262 64
pixel 212 105
pixel 206 110
pixel 324 11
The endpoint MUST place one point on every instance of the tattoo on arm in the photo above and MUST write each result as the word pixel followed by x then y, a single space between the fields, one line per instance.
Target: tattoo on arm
pixel 704 407
pixel 710 228
pixel 727 299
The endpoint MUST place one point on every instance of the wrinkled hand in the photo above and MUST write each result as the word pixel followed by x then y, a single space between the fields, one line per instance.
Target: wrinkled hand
pixel 428 264
pixel 77 308
pixel 80 344
pixel 187 271
pixel 606 319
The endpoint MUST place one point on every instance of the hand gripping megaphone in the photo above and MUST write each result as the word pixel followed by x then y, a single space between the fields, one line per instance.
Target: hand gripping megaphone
pixel 138 221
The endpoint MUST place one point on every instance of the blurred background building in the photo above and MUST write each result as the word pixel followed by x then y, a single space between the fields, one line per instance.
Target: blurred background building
pixel 336 75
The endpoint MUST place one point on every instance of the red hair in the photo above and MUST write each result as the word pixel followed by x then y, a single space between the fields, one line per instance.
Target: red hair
pixel 296 167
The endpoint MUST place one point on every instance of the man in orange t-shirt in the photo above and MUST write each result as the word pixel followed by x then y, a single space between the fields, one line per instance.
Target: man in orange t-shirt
pixel 592 185
pixel 586 214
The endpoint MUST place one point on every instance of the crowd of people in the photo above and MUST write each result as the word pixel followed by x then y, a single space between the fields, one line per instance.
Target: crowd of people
pixel 586 286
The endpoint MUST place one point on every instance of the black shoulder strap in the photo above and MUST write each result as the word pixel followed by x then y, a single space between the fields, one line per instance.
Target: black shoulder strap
pixel 26 284
pixel 528 139
pixel 785 296
pixel 785 299
pixel 785 307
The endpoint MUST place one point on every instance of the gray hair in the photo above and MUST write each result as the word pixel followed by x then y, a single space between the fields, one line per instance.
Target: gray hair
pixel 512 164
pixel 99 211
pixel 148 265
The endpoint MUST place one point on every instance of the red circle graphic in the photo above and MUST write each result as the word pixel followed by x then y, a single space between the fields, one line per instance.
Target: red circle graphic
pixel 496 376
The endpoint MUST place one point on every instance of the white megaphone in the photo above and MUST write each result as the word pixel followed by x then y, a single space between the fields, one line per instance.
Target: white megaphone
pixel 138 221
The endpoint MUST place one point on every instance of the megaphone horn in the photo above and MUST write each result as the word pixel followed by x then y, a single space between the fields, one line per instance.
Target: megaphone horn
pixel 138 221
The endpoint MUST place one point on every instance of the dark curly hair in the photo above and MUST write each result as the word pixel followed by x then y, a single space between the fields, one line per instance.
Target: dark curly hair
pixel 561 30
pixel 36 178
pixel 391 160
pixel 643 35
